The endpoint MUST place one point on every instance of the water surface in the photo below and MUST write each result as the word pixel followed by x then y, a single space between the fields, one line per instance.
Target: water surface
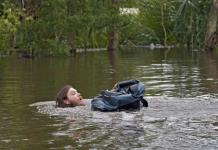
pixel 181 87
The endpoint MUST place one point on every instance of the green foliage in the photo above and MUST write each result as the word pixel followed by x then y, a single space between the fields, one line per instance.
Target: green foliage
pixel 65 25
pixel 171 22
pixel 9 22
pixel 56 27
pixel 190 21
pixel 45 35
pixel 157 17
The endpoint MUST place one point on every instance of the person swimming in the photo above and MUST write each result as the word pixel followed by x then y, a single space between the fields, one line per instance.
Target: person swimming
pixel 125 95
pixel 69 97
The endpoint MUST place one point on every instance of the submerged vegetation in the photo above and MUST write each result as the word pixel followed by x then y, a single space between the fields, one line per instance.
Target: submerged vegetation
pixel 58 27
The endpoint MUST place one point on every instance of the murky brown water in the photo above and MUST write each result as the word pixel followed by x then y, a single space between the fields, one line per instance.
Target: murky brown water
pixel 181 90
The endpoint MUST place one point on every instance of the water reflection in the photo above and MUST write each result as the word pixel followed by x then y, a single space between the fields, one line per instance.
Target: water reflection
pixel 113 58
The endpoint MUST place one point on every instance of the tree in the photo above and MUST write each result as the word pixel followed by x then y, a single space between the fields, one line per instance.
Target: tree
pixel 211 37
pixel 9 22
pixel 113 34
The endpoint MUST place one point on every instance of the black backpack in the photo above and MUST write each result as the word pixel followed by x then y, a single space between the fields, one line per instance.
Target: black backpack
pixel 126 95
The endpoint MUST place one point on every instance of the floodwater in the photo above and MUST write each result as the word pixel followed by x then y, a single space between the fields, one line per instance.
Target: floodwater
pixel 181 88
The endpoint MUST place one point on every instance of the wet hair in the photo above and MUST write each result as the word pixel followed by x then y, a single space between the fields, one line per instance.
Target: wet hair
pixel 61 96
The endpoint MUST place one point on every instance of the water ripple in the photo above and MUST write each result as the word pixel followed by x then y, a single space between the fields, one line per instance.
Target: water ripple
pixel 169 123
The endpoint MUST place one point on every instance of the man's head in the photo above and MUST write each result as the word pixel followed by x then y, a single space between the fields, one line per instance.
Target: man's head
pixel 68 97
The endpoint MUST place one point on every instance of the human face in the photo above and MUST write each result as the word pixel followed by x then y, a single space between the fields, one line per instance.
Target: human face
pixel 74 97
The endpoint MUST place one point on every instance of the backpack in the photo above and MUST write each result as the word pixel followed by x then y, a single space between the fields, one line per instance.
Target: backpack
pixel 125 95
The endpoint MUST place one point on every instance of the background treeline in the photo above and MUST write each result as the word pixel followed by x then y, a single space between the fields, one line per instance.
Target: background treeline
pixel 58 27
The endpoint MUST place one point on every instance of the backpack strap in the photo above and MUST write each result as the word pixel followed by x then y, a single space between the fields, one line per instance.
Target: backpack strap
pixel 127 83
pixel 144 102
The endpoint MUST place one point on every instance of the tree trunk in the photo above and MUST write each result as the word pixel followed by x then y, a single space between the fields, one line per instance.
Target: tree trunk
pixel 211 38
pixel 23 4
pixel 114 33
pixel 113 39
